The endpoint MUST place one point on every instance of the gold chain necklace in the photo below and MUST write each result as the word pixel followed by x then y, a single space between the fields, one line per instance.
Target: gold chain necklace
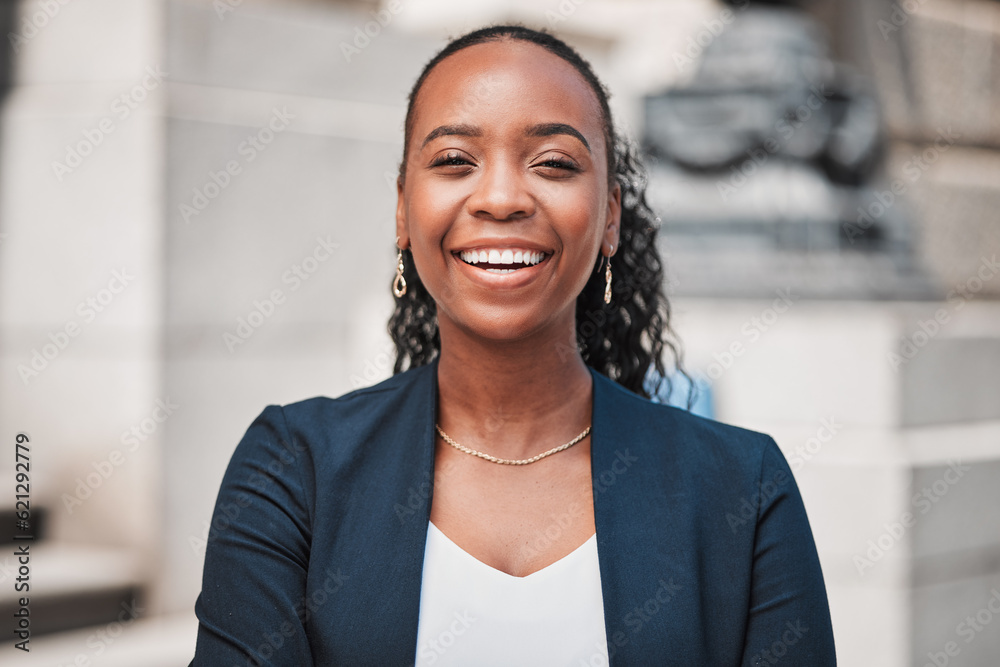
pixel 511 462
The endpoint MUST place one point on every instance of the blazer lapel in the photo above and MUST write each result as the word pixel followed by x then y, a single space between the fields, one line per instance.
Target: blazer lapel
pixel 643 576
pixel 413 537
pixel 383 539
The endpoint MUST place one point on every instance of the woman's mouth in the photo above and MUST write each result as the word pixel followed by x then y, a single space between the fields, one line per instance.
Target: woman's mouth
pixel 502 260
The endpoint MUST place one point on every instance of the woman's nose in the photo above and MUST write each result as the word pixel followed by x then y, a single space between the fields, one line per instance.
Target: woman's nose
pixel 502 193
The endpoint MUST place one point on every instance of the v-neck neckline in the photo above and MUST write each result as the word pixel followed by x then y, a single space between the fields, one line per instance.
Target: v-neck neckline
pixel 543 571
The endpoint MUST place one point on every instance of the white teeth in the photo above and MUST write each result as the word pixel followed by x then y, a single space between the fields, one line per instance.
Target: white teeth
pixel 508 256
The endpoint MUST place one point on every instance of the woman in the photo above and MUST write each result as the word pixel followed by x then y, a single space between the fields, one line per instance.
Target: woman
pixel 507 500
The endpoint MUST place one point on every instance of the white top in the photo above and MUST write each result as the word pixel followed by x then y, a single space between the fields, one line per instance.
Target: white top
pixel 474 614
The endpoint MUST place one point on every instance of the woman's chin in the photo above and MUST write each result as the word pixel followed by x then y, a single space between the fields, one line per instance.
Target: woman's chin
pixel 503 325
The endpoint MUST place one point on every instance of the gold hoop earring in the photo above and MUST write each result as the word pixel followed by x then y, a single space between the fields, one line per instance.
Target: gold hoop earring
pixel 399 284
pixel 607 280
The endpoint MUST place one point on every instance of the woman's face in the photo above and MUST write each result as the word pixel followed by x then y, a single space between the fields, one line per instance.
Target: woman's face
pixel 505 202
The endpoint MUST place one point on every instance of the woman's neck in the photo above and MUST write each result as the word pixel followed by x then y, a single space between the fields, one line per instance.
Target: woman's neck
pixel 514 399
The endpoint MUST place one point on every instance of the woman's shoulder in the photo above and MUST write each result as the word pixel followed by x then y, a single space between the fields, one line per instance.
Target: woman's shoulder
pixel 678 436
pixel 364 402
pixel 361 426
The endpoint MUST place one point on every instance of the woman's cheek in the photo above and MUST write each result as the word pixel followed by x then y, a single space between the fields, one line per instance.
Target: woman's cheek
pixel 425 234
pixel 579 213
pixel 435 209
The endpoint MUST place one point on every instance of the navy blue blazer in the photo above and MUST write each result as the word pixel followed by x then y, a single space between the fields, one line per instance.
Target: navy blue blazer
pixel 315 551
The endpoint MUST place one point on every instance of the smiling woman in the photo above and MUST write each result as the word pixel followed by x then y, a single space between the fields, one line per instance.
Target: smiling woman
pixel 511 496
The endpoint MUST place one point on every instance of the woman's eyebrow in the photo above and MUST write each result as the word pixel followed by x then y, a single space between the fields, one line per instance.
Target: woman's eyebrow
pixel 548 129
pixel 540 130
pixel 459 130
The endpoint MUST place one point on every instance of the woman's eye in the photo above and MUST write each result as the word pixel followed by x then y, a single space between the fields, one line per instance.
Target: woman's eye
pixel 560 164
pixel 450 160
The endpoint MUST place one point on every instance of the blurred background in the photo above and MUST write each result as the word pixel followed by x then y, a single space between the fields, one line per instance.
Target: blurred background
pixel 196 221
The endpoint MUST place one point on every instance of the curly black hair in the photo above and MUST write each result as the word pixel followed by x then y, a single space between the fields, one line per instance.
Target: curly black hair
pixel 623 340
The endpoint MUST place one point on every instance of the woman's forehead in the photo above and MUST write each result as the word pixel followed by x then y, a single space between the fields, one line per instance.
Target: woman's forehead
pixel 510 78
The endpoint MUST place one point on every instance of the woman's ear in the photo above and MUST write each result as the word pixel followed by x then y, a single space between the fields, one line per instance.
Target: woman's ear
pixel 614 217
pixel 402 231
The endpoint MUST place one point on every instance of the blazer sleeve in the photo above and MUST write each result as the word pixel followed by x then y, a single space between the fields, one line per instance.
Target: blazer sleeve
pixel 789 619
pixel 251 610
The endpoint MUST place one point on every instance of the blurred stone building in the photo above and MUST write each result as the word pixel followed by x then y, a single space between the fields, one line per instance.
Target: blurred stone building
pixel 195 194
